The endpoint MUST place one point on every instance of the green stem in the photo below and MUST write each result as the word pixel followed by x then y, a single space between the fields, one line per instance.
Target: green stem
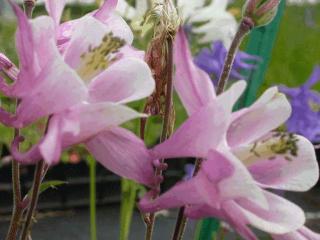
pixel 245 27
pixel 128 197
pixel 17 208
pixel 38 176
pixel 93 209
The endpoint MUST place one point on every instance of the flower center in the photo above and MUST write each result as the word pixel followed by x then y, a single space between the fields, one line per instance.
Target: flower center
pixel 99 58
pixel 280 143
pixel 315 107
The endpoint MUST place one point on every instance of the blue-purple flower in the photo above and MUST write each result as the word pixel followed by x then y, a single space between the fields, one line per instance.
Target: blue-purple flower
pixel 211 60
pixel 305 118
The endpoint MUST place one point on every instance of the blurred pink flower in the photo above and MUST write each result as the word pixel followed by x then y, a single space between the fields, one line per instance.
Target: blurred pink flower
pixel 241 156
pixel 83 89
pixel 301 234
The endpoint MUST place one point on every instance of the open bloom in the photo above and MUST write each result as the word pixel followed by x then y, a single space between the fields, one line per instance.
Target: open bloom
pixel 241 156
pixel 82 91
pixel 211 60
pixel 306 108
pixel 301 234
pixel 217 24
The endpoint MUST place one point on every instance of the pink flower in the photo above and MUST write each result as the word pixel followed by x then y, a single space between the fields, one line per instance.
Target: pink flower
pixel 242 156
pixel 83 89
pixel 301 234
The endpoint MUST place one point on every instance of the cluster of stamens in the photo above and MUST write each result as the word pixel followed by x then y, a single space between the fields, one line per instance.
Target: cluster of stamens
pixel 99 58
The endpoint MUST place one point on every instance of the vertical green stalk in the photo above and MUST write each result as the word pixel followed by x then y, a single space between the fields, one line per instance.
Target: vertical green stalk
pixel 17 209
pixel 93 191
pixel 129 191
pixel 38 176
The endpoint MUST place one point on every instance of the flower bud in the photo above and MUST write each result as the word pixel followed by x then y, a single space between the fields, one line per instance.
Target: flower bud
pixel 261 12
pixel 7 67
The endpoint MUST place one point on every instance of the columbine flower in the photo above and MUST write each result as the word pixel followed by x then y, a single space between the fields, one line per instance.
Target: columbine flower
pixel 83 91
pixel 217 24
pixel 306 108
pixel 242 156
pixel 211 60
pixel 301 234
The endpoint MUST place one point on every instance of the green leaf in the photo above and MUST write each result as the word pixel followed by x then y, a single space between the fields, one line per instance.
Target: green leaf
pixel 47 185
pixel 128 199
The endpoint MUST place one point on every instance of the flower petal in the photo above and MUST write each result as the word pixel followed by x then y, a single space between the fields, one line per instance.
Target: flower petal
pixel 282 216
pixel 59 88
pixel 88 33
pixel 303 233
pixel 240 184
pixel 183 193
pixel 204 130
pixel 119 27
pixel 213 30
pixel 193 85
pixel 123 153
pixel 104 11
pixel 125 81
pixel 24 38
pixel 55 9
pixel 259 119
pixel 314 78
pixel 83 122
pixel 236 218
pixel 287 171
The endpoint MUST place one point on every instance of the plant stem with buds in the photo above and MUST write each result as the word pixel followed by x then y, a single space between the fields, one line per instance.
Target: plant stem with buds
pixel 166 125
pixel 38 175
pixel 29 7
pixel 245 27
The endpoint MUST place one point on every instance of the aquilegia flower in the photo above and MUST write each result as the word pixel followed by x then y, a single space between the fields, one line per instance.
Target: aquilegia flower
pixel 301 234
pixel 82 91
pixel 211 60
pixel 306 108
pixel 242 156
pixel 212 21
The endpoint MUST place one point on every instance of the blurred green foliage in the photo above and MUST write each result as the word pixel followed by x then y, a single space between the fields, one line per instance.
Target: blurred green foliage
pixel 297 48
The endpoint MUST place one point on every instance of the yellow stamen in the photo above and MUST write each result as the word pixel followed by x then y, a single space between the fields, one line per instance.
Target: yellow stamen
pixel 99 58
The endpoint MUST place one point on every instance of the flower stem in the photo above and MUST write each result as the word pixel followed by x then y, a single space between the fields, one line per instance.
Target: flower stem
pixel 28 7
pixel 181 222
pixel 17 208
pixel 166 125
pixel 245 27
pixel 38 176
pixel 93 210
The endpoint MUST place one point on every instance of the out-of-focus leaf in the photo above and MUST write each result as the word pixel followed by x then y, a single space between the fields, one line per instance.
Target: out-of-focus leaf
pixel 128 200
pixel 49 184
